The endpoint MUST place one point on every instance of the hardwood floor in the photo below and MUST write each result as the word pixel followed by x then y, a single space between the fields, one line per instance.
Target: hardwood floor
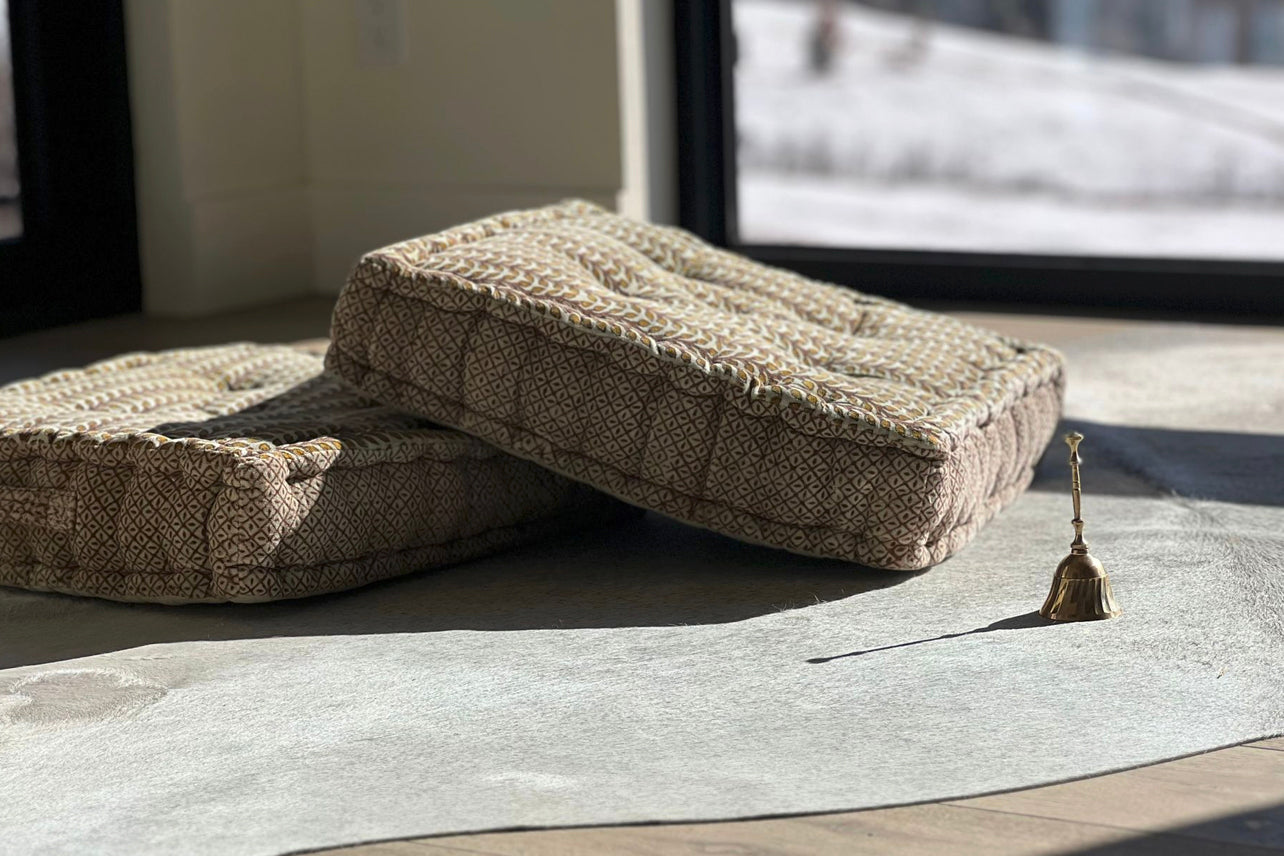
pixel 1226 803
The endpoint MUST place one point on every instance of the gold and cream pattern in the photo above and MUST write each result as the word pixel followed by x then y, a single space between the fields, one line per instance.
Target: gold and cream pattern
pixel 700 384
pixel 242 473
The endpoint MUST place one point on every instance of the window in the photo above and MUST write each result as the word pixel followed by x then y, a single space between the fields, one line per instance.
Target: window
pixel 1128 152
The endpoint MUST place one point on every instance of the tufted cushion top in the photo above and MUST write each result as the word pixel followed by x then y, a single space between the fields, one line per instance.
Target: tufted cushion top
pixel 783 352
pixel 241 472
pixel 226 400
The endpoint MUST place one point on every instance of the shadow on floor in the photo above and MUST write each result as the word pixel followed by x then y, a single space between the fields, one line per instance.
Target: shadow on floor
pixel 1253 832
pixel 646 572
pixel 1127 461
pixel 1017 622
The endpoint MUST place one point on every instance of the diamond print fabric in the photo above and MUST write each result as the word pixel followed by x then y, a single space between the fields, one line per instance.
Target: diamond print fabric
pixel 702 385
pixel 242 473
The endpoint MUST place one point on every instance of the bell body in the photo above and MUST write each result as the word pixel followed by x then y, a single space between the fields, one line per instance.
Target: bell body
pixel 1081 586
pixel 1080 590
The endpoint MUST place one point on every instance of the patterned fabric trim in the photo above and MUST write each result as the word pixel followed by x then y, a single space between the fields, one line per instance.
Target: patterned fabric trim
pixel 887 541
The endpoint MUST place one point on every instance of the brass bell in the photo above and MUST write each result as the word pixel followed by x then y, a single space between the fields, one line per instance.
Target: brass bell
pixel 1081 587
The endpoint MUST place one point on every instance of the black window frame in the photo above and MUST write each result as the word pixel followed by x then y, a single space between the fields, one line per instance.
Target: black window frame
pixel 704 48
pixel 77 256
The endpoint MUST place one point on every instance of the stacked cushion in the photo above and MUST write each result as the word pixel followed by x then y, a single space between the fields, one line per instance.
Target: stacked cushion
pixel 702 385
pixel 242 473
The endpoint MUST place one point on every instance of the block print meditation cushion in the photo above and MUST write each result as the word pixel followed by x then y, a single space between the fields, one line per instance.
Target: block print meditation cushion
pixel 705 386
pixel 241 473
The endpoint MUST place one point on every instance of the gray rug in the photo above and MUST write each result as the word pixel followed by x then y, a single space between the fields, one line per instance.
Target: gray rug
pixel 658 673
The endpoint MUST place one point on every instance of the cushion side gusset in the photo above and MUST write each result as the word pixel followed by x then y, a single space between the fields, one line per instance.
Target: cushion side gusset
pixel 128 498
pixel 909 554
pixel 321 507
pixel 253 510
pixel 251 514
pixel 996 463
pixel 518 441
pixel 256 585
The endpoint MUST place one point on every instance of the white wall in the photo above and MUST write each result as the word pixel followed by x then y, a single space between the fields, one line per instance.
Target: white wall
pixel 270 155
pixel 499 104
pixel 216 97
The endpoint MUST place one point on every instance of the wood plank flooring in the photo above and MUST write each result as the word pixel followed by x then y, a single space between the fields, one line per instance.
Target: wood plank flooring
pixel 1225 803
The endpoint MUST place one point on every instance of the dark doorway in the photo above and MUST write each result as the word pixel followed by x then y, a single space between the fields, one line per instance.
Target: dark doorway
pixel 68 237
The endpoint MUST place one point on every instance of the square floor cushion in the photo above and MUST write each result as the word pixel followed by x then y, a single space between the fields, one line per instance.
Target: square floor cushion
pixel 242 473
pixel 702 385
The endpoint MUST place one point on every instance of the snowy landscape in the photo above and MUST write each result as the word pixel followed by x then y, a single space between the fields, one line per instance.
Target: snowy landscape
pixel 10 213
pixel 949 138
